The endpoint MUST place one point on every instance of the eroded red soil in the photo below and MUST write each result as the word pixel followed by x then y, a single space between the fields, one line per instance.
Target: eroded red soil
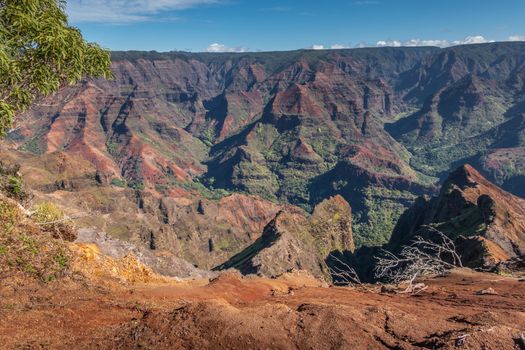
pixel 294 312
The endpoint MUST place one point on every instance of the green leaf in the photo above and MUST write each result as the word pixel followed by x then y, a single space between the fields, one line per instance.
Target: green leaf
pixel 39 53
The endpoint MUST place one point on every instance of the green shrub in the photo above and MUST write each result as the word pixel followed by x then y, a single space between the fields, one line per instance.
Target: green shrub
pixel 207 137
pixel 111 147
pixel 61 259
pixel 11 183
pixel 161 188
pixel 14 185
pixel 118 182
pixel 139 186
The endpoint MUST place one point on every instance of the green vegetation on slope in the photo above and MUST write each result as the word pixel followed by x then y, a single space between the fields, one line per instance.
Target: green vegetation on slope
pixel 374 225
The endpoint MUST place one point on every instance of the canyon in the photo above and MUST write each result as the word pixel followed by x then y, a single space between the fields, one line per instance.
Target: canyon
pixel 194 154
pixel 206 200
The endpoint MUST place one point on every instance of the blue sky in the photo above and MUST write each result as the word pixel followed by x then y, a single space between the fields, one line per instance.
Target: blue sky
pixel 251 25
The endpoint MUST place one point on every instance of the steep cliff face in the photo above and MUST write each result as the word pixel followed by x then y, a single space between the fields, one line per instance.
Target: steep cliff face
pixel 208 232
pixel 295 240
pixel 377 126
pixel 487 223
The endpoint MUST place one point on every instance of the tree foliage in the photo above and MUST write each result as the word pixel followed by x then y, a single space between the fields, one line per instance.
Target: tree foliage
pixel 39 53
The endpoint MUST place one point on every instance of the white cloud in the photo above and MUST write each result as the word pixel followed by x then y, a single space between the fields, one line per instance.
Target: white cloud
pixel 418 42
pixel 476 39
pixel 322 47
pixel 516 38
pixel 216 47
pixel 126 11
pixel 392 43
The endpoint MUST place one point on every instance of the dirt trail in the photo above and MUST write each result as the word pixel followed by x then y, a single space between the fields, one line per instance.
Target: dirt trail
pixel 293 312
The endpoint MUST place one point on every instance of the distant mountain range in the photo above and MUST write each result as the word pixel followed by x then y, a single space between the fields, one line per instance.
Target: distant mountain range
pixel 176 133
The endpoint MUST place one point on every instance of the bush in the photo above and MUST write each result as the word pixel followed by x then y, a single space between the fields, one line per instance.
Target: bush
pixel 138 186
pixel 25 249
pixel 11 183
pixel 118 182
pixel 52 220
pixel 14 185
pixel 46 212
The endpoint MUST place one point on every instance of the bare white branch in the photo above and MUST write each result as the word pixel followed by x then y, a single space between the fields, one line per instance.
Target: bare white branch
pixel 345 274
pixel 422 257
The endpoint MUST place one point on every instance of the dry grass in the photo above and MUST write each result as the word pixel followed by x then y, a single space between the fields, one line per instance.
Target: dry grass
pixel 53 221
pixel 27 249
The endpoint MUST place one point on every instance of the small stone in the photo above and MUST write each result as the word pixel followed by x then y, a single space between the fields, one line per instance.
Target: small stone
pixel 520 341
pixel 488 291
pixel 388 288
pixel 460 342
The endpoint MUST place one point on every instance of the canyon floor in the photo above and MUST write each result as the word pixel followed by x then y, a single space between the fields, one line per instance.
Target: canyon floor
pixel 464 310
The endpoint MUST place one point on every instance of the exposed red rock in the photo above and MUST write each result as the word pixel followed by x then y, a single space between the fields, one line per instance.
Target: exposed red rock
pixel 481 213
pixel 295 240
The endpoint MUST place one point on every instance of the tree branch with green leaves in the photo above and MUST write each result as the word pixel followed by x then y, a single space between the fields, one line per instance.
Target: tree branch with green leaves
pixel 40 53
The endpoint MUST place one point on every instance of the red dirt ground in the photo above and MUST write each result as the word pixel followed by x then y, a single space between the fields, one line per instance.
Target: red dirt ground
pixel 294 312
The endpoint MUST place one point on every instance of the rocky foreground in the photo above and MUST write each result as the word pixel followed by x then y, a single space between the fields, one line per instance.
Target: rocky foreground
pixel 465 310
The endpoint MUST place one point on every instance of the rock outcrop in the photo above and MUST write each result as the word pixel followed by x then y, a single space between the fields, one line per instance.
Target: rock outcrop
pixel 294 240
pixel 487 223
pixel 99 252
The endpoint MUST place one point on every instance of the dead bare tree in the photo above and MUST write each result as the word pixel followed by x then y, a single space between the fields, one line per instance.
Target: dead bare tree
pixel 421 257
pixel 344 274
